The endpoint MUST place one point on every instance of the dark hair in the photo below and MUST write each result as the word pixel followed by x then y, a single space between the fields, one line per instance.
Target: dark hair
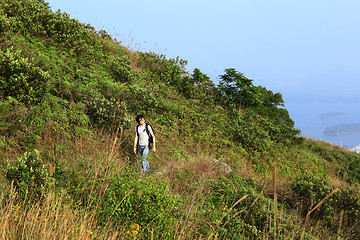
pixel 138 117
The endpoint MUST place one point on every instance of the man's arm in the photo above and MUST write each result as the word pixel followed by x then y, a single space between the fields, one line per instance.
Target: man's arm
pixel 135 142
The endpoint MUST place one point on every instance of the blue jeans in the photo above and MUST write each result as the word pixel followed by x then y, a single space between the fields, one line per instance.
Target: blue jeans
pixel 144 151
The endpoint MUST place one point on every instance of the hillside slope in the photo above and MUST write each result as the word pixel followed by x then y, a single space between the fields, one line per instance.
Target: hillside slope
pixel 69 95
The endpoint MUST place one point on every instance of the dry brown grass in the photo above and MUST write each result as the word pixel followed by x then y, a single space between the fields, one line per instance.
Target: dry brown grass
pixel 51 218
pixel 103 155
pixel 54 217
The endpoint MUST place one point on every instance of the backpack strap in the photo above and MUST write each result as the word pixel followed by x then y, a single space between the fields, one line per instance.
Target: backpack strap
pixel 147 129
pixel 148 132
pixel 137 130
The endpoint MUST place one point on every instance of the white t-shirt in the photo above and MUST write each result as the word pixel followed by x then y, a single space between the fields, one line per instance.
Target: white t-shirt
pixel 143 136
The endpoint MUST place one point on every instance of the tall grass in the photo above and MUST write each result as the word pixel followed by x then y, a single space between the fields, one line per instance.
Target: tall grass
pixel 102 156
pixel 49 218
pixel 55 217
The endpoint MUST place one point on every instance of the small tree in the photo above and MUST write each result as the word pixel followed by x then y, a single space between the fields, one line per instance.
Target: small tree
pixel 238 89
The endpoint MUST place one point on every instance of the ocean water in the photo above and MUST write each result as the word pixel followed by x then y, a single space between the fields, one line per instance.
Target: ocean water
pixel 308 118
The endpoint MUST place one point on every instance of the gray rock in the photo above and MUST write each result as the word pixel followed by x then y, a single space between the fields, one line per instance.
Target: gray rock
pixel 223 166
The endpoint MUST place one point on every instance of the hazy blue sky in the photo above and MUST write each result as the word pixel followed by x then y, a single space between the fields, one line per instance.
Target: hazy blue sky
pixel 308 50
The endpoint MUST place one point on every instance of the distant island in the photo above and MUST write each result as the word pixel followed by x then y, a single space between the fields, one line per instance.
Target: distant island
pixel 332 115
pixel 343 129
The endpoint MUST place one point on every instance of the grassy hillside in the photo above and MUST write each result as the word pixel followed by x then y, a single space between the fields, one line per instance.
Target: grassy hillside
pixel 69 96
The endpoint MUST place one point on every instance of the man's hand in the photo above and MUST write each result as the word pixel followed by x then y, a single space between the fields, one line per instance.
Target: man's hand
pixel 154 149
pixel 135 150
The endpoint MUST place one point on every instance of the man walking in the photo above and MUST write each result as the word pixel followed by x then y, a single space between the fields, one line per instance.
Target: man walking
pixel 143 135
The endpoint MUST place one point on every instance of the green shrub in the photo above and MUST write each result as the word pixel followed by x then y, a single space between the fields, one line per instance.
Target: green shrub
pixel 4 22
pixel 18 120
pixel 8 113
pixel 29 175
pixel 120 68
pixel 108 113
pixel 347 163
pixel 139 201
pixel 348 200
pixel 237 217
pixel 34 17
pixel 20 78
pixel 249 130
pixel 142 99
pixel 310 190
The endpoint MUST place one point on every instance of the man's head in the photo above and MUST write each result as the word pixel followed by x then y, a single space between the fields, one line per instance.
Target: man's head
pixel 140 118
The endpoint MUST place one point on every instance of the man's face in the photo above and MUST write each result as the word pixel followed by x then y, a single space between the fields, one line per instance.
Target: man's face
pixel 142 121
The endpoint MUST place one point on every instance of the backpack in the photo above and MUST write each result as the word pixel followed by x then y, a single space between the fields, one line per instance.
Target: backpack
pixel 151 140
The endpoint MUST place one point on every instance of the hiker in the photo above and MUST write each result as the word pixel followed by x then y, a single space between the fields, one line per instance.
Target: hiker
pixel 144 136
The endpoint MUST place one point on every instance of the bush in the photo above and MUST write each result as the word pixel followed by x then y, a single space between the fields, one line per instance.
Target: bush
pixel 108 113
pixel 34 17
pixel 238 217
pixel 20 78
pixel 311 190
pixel 250 130
pixel 348 200
pixel 4 22
pixel 29 175
pixel 130 200
pixel 120 68
pixel 347 163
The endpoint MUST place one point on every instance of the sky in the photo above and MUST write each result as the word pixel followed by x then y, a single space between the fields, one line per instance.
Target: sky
pixel 307 50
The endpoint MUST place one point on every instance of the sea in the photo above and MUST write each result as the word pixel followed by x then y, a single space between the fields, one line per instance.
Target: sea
pixel 312 118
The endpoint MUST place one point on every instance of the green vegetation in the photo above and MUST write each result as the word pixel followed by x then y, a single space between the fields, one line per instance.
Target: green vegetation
pixel 68 98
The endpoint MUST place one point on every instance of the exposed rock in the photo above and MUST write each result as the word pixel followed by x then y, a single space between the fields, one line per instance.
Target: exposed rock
pixel 223 166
